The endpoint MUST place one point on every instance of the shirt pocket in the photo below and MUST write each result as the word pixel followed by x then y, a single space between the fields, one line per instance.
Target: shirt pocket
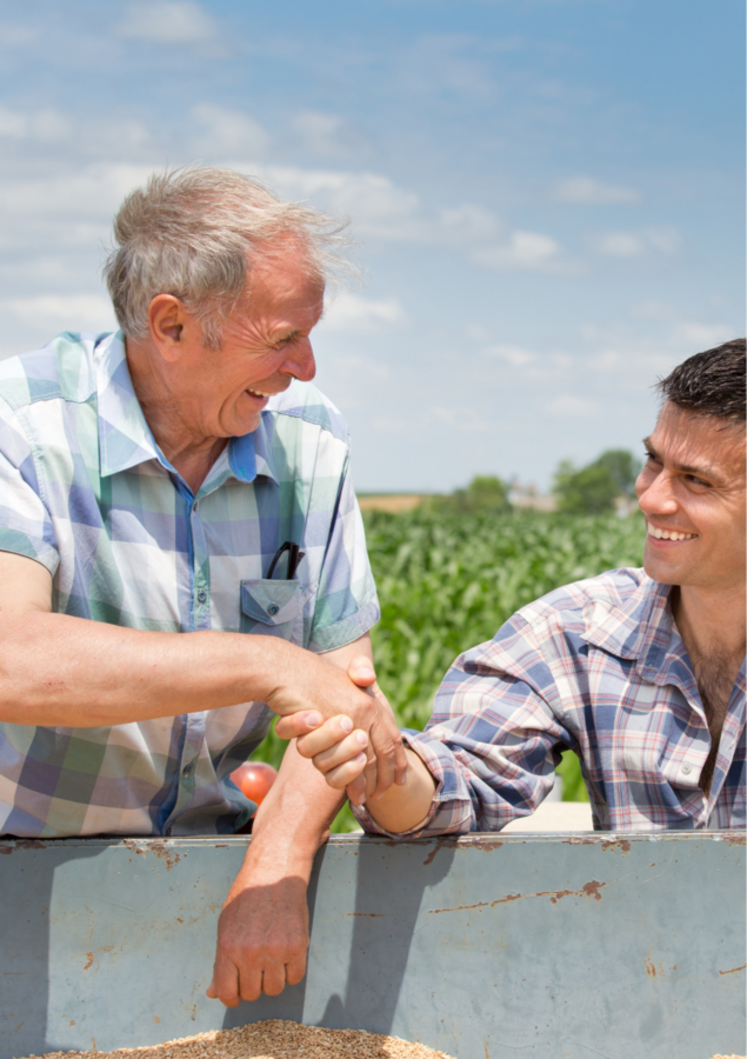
pixel 271 607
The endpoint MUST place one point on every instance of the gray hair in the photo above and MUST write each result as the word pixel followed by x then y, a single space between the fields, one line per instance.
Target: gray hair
pixel 197 232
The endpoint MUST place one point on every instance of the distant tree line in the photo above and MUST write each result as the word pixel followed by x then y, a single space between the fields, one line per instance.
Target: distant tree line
pixel 593 489
pixel 589 490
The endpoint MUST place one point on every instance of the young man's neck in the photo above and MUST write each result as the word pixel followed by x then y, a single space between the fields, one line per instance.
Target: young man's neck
pixel 711 622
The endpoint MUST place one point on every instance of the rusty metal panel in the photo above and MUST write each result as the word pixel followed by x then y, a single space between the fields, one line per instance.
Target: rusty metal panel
pixel 537 945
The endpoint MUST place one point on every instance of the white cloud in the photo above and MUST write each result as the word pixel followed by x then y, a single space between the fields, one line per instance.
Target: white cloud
pixel 78 312
pixel 327 134
pixel 229 132
pixel 463 419
pixel 528 251
pixel 46 126
pixel 653 310
pixel 95 191
pixel 516 356
pixel 351 312
pixel 697 336
pixel 663 240
pixel 167 22
pixel 356 367
pixel 589 192
pixel 619 244
pixel 468 223
pixel 570 404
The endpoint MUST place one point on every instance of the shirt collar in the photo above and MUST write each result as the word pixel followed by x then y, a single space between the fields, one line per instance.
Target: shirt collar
pixel 125 439
pixel 642 629
pixel 626 629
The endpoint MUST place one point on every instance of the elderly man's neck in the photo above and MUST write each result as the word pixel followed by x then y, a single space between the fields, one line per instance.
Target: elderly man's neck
pixel 171 424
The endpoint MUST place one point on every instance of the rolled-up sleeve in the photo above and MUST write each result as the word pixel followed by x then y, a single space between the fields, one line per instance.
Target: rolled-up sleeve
pixel 494 738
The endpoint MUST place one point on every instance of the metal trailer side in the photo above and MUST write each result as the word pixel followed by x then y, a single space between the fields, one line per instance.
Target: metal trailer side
pixel 487 946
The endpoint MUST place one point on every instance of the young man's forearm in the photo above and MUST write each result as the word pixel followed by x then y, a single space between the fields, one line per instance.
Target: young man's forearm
pixel 402 809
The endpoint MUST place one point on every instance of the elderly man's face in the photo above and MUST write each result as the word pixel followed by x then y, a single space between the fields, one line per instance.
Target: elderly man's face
pixel 222 392
pixel 692 492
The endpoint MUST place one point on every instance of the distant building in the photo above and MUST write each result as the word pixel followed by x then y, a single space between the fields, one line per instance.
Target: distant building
pixel 527 496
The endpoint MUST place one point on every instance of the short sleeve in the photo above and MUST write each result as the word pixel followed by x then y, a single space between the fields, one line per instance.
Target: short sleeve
pixel 26 527
pixel 346 602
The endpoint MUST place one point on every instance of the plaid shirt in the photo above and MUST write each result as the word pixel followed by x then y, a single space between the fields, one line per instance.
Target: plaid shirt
pixel 598 667
pixel 85 491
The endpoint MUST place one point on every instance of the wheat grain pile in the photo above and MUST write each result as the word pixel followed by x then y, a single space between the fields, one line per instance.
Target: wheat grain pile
pixel 273 1039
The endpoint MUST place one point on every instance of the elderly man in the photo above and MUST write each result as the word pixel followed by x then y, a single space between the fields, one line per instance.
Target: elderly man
pixel 182 477
pixel 641 672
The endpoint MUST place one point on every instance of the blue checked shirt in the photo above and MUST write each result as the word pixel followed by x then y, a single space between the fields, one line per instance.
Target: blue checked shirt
pixel 85 491
pixel 598 667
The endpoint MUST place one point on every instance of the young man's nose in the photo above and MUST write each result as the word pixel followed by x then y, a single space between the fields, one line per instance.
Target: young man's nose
pixel 656 494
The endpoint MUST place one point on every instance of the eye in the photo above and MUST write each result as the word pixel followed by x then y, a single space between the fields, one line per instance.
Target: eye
pixel 691 479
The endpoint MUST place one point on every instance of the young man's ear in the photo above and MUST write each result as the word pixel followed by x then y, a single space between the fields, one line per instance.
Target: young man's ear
pixel 167 317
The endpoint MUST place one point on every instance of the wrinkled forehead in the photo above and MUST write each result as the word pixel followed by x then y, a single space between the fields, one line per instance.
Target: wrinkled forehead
pixel 697 441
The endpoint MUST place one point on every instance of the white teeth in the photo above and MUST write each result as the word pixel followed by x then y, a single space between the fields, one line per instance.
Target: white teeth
pixel 258 393
pixel 668 535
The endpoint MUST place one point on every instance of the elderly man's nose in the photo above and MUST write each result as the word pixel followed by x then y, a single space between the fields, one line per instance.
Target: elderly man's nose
pixel 300 361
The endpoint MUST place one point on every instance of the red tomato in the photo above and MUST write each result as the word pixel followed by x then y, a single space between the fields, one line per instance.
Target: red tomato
pixel 254 779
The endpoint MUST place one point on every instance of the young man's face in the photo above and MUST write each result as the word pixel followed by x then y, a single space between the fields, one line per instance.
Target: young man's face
pixel 692 492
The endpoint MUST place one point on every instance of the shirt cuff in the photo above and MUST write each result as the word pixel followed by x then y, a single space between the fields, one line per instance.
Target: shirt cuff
pixel 347 630
pixel 451 810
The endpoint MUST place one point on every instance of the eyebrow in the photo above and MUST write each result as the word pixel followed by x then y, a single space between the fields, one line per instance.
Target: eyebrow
pixel 705 471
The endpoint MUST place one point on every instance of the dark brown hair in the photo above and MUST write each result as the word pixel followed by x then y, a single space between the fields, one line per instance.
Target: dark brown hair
pixel 710 383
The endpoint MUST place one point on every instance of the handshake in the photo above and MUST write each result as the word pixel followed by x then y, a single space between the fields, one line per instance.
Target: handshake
pixel 343 723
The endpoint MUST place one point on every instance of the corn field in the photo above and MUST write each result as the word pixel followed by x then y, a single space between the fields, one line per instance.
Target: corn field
pixel 448 582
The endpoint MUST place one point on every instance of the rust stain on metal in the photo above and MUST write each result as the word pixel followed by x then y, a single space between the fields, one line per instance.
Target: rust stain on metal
pixel 487 845
pixel 365 915
pixel 736 838
pixel 26 843
pixel 589 889
pixel 650 967
pixel 439 846
pixel 616 846
pixel 158 847
pixel 735 970
pixel 89 962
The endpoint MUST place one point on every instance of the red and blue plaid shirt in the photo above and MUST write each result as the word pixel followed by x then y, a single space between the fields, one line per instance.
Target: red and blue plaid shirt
pixel 598 667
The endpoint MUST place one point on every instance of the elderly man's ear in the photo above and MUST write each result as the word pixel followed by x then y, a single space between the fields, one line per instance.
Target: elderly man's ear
pixel 168 317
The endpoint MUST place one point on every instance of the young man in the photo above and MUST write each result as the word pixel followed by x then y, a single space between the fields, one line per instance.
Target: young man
pixel 641 672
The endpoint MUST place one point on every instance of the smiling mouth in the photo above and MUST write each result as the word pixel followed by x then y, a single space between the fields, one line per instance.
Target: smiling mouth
pixel 668 535
pixel 258 393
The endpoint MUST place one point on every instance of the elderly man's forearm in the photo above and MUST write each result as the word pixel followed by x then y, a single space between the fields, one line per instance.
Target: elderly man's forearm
pixel 57 670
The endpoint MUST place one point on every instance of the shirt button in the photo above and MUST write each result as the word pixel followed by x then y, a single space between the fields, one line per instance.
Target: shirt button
pixel 273 609
pixel 188 769
pixel 687 768
pixel 201 596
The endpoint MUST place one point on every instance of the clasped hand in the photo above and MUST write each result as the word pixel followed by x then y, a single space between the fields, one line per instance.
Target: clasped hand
pixel 360 751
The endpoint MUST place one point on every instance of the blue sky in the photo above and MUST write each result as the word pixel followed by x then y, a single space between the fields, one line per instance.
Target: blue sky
pixel 547 195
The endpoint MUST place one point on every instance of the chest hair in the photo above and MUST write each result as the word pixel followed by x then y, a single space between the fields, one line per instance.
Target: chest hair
pixel 715 675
